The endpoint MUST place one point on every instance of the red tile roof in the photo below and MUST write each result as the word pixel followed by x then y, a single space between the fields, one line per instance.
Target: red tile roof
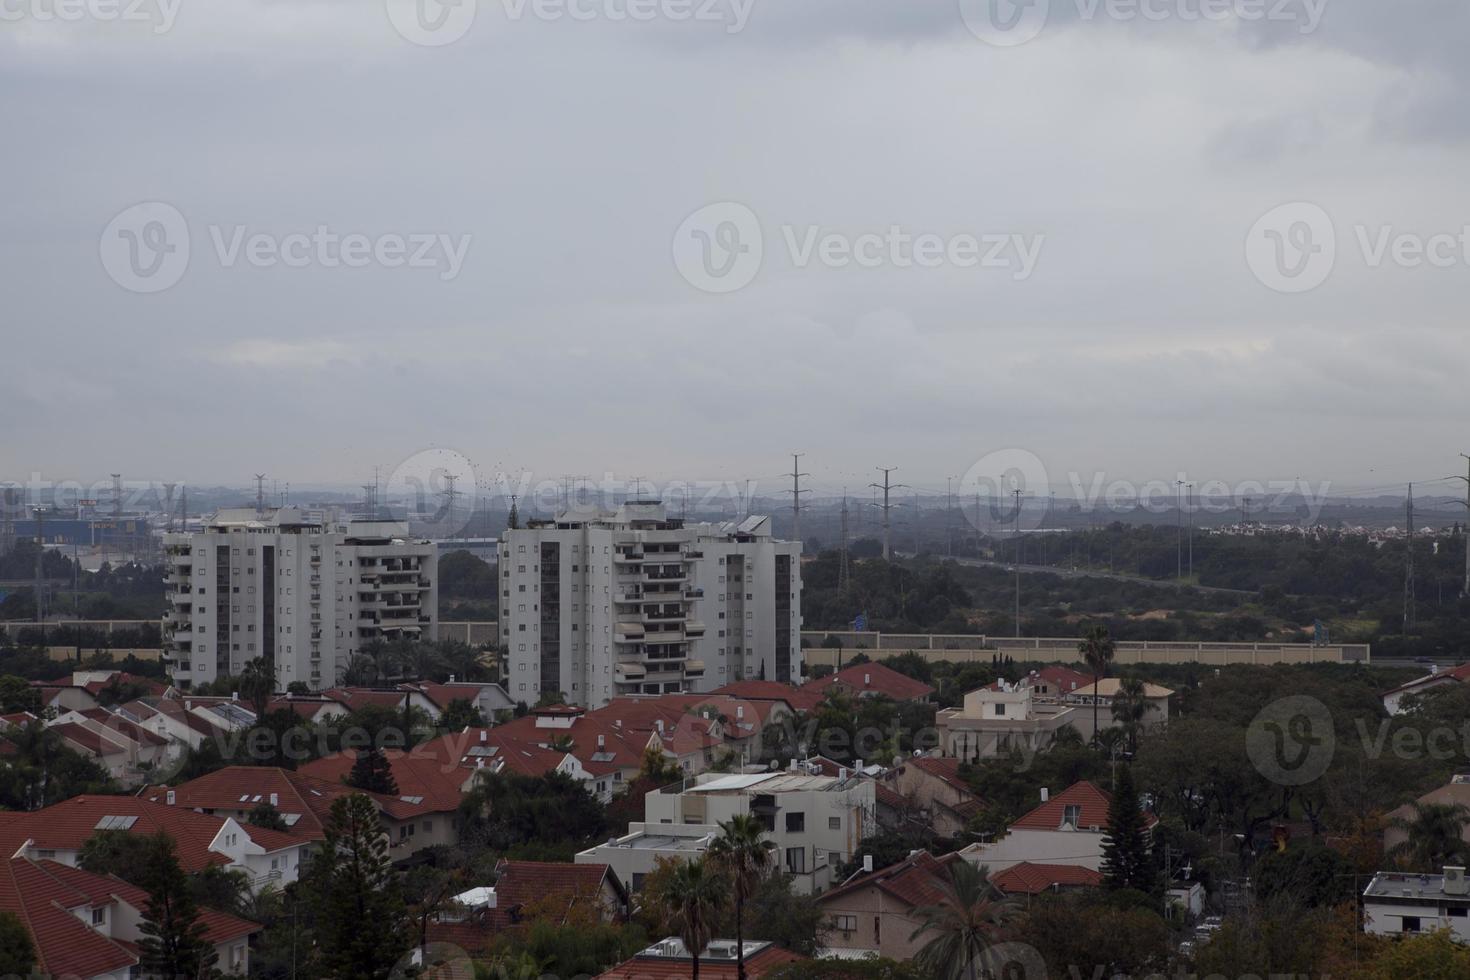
pixel 65 946
pixel 1033 879
pixel 532 883
pixel 88 740
pixel 1092 799
pixel 877 679
pixel 360 697
pixel 803 698
pixel 298 793
pixel 219 927
pixel 433 771
pixel 122 726
pixel 643 967
pixel 67 825
pixel 1460 673
pixel 921 879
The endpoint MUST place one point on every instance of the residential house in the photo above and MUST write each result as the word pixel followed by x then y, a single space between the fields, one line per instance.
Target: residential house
pixel 127 750
pixel 815 822
pixel 929 791
pixel 490 698
pixel 874 912
pixel 1029 880
pixel 59 832
pixel 1396 904
pixel 532 891
pixel 670 959
pixel 801 699
pixel 1456 792
pixel 1068 828
pixel 1394 699
pixel 411 822
pixel 84 925
pixel 872 680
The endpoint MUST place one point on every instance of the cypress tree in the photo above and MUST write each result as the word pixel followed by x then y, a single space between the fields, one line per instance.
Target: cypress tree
pixel 372 773
pixel 361 921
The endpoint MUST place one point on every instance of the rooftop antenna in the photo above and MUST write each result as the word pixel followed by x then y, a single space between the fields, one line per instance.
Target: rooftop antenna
pixel 260 494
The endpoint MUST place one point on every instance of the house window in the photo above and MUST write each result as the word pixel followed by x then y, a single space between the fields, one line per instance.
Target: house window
pixel 1000 710
pixel 845 924
pixel 795 823
pixel 99 916
pixel 877 929
pixel 1411 923
pixel 834 823
pixel 796 860
pixel 1071 815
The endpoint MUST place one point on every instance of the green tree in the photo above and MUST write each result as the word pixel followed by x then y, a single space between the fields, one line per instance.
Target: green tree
pixel 1097 651
pixel 264 814
pixel 1436 836
pixel 505 810
pixel 172 942
pixel 220 888
pixel 743 854
pixel 16 694
pixel 372 773
pixel 17 953
pixel 1127 860
pixel 695 896
pixel 361 925
pixel 117 852
pixel 1131 708
pixel 257 682
pixel 963 923
pixel 460 714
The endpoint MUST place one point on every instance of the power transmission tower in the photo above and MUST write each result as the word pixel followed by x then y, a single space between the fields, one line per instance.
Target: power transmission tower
pixel 168 505
pixel 1409 568
pixel 1017 494
pixel 886 487
pixel 842 579
pixel 796 491
pixel 1465 531
pixel 449 494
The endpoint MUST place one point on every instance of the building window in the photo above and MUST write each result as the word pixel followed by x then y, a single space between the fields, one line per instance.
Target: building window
pixel 796 860
pixel 834 823
pixel 99 916
pixel 1411 923
pixel 1000 710
pixel 845 924
pixel 1071 815
pixel 795 823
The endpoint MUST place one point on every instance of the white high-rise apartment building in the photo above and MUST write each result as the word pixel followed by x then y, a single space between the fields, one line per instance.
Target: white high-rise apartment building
pixel 305 589
pixel 596 605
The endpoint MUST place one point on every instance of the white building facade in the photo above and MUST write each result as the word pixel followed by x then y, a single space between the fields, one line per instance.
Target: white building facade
pixel 598 605
pixel 304 589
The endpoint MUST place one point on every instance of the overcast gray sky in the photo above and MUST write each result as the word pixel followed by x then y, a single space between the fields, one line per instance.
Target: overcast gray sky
pixel 562 156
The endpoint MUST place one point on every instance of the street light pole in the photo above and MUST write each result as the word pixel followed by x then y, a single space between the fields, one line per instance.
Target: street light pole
pixel 1179 534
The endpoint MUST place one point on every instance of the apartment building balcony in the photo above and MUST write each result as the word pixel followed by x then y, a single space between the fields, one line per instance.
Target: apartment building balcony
pixel 669 636
pixel 628 633
pixel 625 673
pixel 661 617
pixel 694 668
pixel 628 557
pixel 694 630
pixel 626 594
pixel 694 593
pixel 316 559
pixel 664 573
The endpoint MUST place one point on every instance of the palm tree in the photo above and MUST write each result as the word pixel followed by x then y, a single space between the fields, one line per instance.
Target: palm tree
pixel 971 912
pixel 1131 707
pixel 1097 650
pixel 693 899
pixel 742 852
pixel 1436 835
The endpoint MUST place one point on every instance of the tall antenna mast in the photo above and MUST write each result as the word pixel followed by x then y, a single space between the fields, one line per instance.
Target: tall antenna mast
pixel 260 495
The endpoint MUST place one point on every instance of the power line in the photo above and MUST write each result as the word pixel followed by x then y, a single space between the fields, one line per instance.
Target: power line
pixel 886 487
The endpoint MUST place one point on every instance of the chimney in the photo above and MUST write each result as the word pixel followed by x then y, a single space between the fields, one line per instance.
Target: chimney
pixel 740 712
pixel 1045 794
pixel 484 736
pixel 842 774
pixel 234 695
pixel 451 678
pixel 791 766
pixel 275 799
pixel 868 863
pixel 660 723
pixel 867 680
pixel 857 764
pixel 188 705
pixel 601 742
pixel 1454 881
pixel 171 798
